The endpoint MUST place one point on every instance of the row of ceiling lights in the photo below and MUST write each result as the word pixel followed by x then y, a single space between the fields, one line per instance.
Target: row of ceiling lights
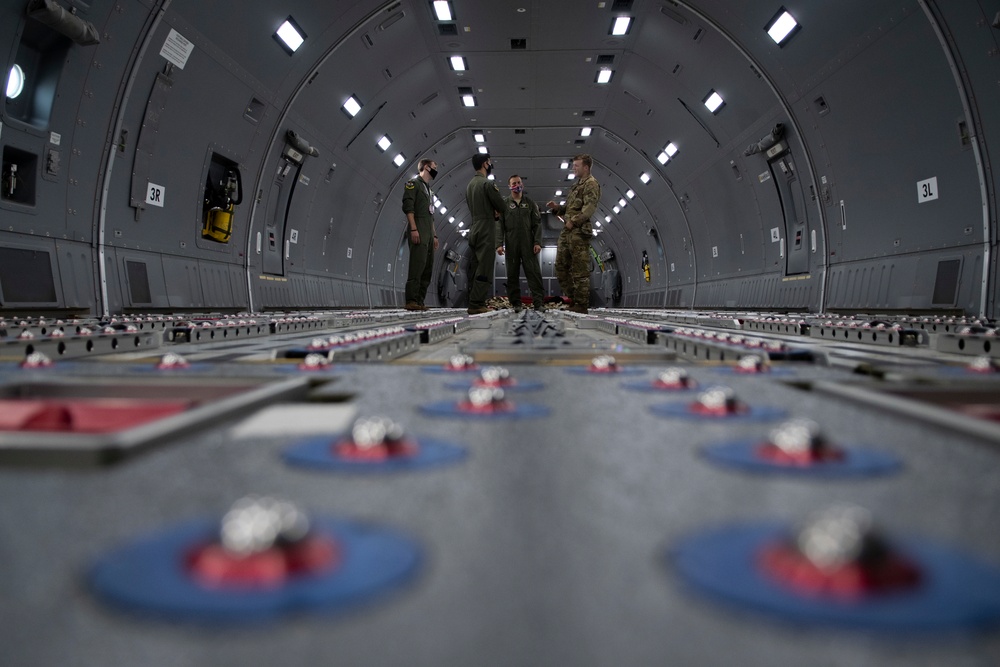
pixel 780 28
pixel 290 36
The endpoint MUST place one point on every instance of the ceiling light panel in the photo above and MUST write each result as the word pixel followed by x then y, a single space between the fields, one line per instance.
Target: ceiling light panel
pixel 713 101
pixel 782 27
pixel 290 35
pixel 442 10
pixel 621 25
pixel 352 106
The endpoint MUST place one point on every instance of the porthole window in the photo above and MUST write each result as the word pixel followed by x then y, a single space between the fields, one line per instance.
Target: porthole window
pixel 15 82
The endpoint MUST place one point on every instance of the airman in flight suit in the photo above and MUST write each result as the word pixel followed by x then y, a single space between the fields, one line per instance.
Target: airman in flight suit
pixel 520 230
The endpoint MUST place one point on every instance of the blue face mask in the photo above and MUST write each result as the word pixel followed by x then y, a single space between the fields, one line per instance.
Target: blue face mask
pixel 516 188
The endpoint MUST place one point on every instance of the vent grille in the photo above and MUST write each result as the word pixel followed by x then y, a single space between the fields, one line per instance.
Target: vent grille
pixel 447 29
pixel 606 59
pixel 26 276
pixel 138 282
pixel 946 282
pixel 518 44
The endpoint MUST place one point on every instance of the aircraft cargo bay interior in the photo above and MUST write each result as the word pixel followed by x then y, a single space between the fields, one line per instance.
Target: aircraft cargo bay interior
pixel 642 332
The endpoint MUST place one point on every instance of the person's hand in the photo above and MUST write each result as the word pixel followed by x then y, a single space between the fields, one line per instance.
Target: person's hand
pixel 568 225
pixel 536 249
pixel 435 243
pixel 415 237
pixel 499 249
pixel 551 205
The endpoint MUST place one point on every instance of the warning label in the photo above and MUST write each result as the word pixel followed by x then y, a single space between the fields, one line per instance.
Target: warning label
pixel 177 49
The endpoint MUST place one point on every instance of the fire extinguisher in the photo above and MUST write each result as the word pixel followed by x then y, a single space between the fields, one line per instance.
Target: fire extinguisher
pixel 221 198
pixel 645 265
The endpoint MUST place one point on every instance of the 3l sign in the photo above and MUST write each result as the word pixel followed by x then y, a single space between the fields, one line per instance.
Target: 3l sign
pixel 927 190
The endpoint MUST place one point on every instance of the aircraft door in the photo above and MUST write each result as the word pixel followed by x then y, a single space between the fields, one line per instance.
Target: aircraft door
pixel 789 186
pixel 285 178
pixel 279 201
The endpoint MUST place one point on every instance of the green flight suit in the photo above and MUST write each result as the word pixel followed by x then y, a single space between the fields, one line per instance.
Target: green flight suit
pixel 482 196
pixel 520 228
pixel 417 199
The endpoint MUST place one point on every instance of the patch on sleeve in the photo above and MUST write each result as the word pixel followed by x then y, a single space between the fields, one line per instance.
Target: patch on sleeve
pixel 410 185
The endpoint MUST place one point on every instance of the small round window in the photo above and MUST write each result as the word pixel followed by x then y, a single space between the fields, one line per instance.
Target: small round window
pixel 15 81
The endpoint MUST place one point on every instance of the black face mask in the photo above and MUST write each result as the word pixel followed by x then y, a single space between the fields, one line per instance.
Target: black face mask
pixel 433 173
pixel 489 169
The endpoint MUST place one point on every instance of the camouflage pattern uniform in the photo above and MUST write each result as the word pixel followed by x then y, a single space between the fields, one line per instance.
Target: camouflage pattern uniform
pixel 573 250
pixel 520 229
pixel 417 198
pixel 483 199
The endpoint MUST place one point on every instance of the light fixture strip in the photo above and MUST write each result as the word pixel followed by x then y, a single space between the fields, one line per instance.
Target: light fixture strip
pixel 713 101
pixel 352 106
pixel 782 27
pixel 621 25
pixel 442 10
pixel 290 36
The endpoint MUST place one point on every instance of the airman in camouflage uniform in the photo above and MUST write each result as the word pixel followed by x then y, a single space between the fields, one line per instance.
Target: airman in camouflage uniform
pixel 573 251
pixel 520 230
pixel 418 206
pixel 485 203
